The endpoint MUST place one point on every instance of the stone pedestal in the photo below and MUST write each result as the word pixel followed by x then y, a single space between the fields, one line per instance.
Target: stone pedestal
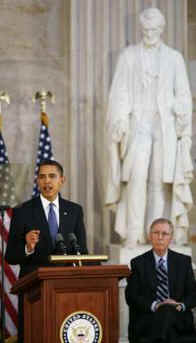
pixel 119 255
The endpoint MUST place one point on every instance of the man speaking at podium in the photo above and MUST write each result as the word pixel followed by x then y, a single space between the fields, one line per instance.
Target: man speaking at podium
pixel 36 223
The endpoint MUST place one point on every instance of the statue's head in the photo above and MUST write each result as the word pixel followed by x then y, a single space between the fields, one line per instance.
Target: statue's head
pixel 153 23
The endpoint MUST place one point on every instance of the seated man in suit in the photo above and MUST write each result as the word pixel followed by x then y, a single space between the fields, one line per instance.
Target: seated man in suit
pixel 161 290
pixel 35 224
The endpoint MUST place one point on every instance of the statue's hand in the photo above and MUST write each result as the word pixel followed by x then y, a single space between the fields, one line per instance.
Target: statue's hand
pixel 120 129
pixel 182 121
pixel 113 207
pixel 187 141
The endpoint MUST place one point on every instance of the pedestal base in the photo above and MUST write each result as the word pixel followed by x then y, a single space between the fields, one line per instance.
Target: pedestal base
pixel 123 255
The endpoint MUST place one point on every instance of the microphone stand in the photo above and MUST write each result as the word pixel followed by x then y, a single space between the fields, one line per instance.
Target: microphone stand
pixel 75 246
pixel 2 213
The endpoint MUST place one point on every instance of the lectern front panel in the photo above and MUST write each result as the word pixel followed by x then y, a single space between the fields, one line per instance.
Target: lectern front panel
pixel 55 297
pixel 94 297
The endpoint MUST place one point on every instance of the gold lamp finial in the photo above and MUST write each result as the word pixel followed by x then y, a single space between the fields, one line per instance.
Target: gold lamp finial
pixel 42 96
pixel 4 97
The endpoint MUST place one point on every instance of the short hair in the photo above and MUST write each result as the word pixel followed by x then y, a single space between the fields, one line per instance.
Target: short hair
pixel 152 15
pixel 51 163
pixel 162 221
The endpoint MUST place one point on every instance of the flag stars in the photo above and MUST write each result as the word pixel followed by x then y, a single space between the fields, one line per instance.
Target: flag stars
pixel 7 189
pixel 44 152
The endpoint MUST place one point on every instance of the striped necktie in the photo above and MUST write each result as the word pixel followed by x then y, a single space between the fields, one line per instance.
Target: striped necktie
pixel 52 222
pixel 162 276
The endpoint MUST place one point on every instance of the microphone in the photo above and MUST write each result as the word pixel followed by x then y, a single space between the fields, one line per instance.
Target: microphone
pixel 74 243
pixel 60 245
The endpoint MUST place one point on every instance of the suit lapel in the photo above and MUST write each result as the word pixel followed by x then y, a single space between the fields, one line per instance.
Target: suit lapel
pixel 172 272
pixel 151 270
pixel 138 70
pixel 64 214
pixel 41 220
pixel 163 65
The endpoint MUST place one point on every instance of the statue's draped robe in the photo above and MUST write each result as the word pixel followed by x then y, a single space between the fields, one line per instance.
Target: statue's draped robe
pixel 125 105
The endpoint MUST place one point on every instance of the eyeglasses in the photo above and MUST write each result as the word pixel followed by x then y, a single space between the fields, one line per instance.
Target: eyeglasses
pixel 160 233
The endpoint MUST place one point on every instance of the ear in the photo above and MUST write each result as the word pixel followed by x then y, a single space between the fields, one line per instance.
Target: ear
pixel 63 180
pixel 149 237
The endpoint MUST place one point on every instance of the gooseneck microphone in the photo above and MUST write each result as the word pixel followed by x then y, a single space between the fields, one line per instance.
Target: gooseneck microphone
pixel 60 245
pixel 73 243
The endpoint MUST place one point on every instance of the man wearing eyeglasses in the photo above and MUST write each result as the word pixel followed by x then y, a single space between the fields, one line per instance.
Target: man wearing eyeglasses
pixel 161 290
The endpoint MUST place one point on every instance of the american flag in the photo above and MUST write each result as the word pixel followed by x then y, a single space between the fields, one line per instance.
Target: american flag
pixel 44 149
pixel 7 198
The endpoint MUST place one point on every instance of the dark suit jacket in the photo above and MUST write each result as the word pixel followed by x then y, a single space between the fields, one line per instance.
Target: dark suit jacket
pixel 30 215
pixel 142 285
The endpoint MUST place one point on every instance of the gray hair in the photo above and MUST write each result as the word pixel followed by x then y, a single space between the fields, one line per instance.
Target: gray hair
pixel 152 15
pixel 162 221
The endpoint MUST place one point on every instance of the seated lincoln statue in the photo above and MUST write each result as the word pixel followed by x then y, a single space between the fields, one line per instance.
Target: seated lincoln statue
pixel 149 136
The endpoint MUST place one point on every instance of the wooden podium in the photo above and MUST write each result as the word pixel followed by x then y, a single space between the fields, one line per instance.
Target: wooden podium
pixel 67 304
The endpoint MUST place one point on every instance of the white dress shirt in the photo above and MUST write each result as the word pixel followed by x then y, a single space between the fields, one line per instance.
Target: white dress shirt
pixel 46 206
pixel 157 258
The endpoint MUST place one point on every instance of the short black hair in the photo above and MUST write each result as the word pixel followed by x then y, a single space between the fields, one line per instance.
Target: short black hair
pixel 51 163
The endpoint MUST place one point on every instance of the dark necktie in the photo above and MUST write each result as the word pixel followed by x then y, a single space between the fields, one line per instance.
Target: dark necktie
pixel 52 222
pixel 162 276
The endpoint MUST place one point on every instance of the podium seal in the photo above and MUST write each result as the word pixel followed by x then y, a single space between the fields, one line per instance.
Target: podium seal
pixel 81 327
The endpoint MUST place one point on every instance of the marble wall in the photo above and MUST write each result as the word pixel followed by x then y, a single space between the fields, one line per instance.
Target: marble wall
pixel 70 47
pixel 33 55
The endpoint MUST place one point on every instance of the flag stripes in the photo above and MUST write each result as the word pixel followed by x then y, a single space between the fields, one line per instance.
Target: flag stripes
pixel 10 277
pixel 9 272
pixel 44 149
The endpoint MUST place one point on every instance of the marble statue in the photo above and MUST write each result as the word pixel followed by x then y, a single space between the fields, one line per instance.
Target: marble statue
pixel 149 136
